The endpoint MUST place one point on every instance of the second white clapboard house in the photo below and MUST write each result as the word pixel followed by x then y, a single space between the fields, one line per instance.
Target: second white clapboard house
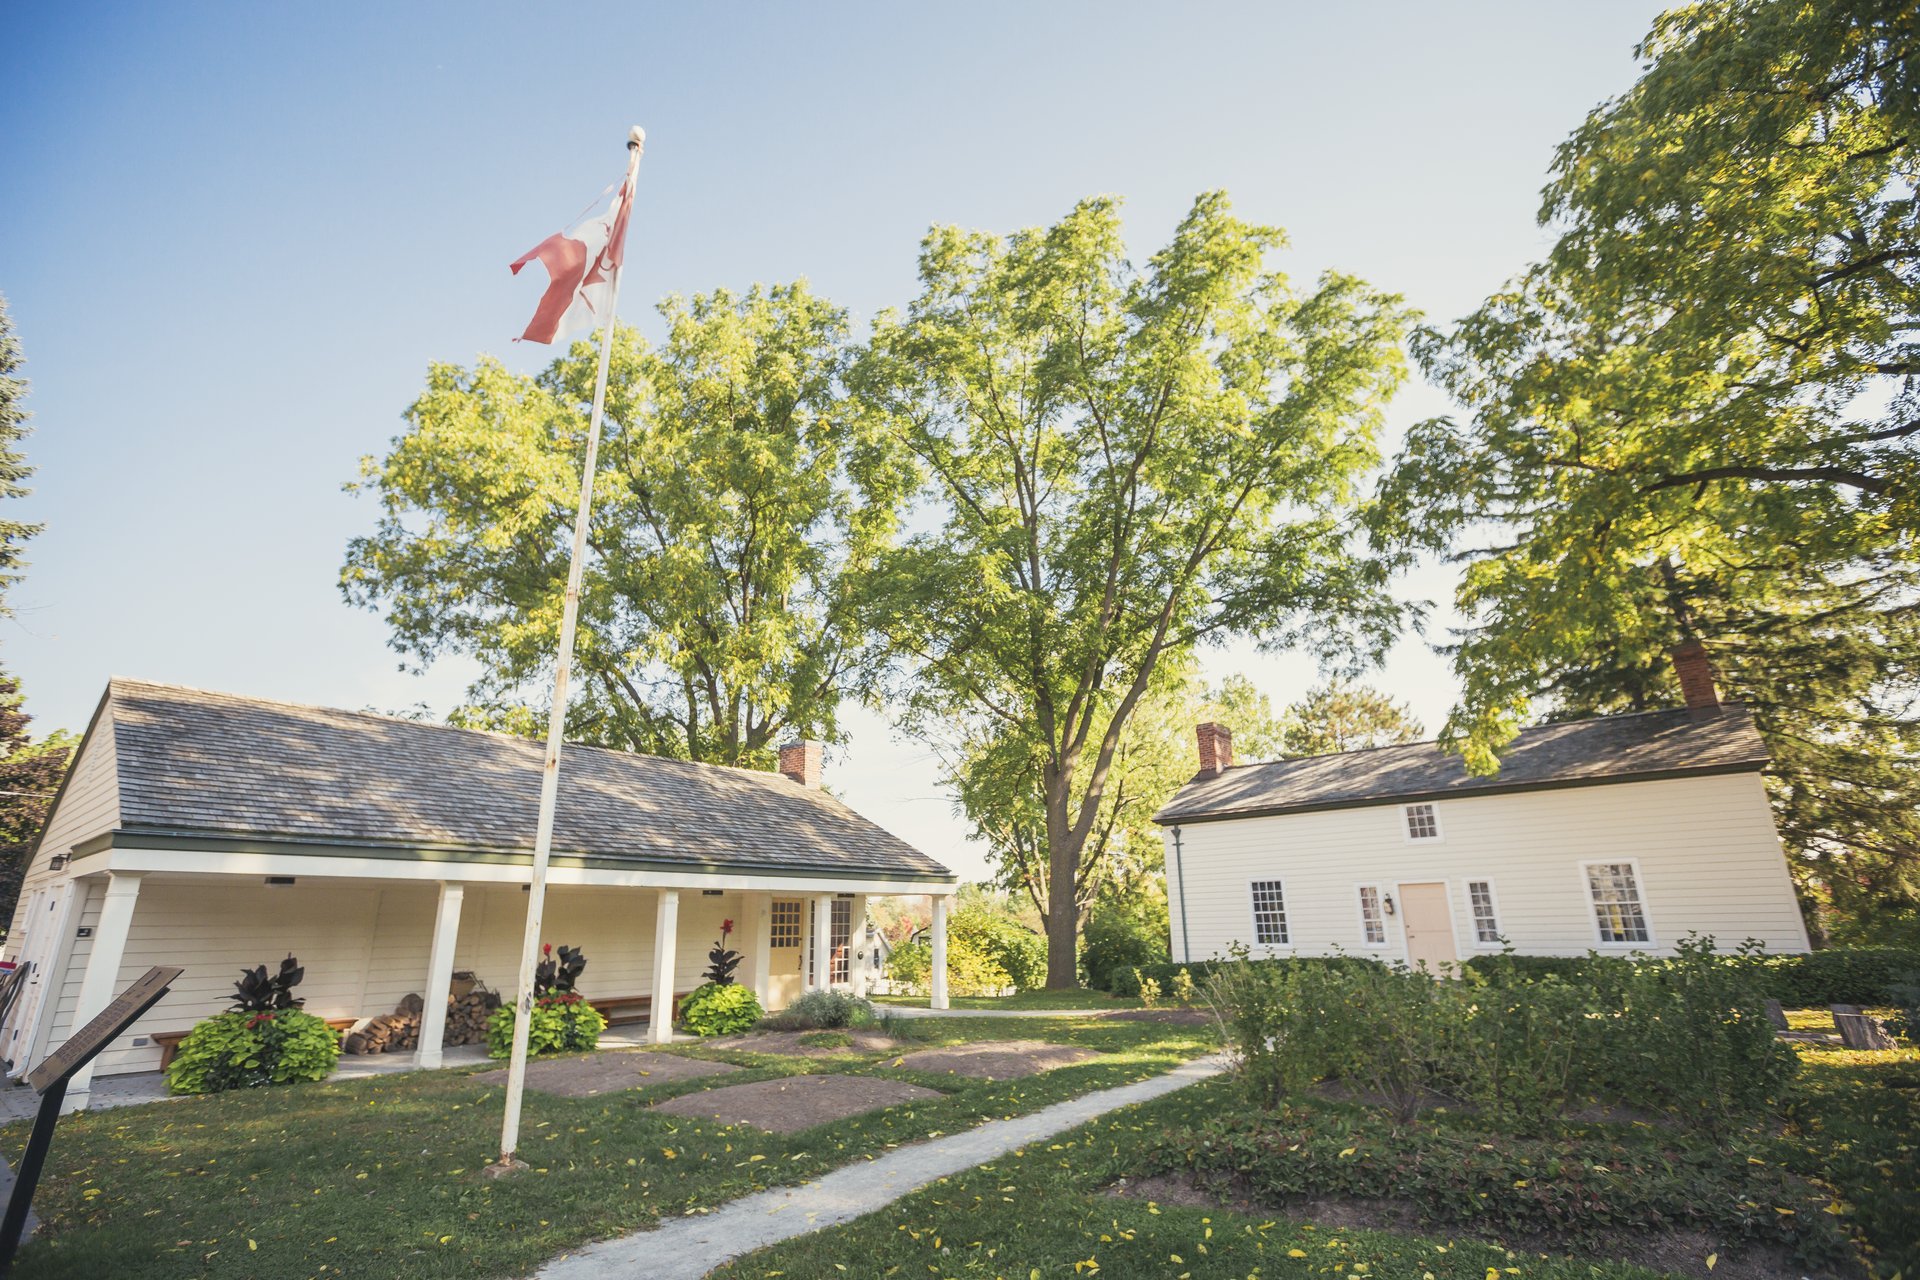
pixel 1616 834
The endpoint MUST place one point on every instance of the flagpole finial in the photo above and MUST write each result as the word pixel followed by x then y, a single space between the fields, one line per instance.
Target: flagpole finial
pixel 636 139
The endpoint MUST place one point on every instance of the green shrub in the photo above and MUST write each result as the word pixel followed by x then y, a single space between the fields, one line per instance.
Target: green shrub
pixel 822 1010
pixel 719 1009
pixel 242 1050
pixel 1841 975
pixel 987 952
pixel 1905 999
pixel 1118 939
pixel 561 1023
pixel 1526 1048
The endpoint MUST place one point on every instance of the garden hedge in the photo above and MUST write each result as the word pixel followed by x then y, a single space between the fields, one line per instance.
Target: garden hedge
pixel 1842 975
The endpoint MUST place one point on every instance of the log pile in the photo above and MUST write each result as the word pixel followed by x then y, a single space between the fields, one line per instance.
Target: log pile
pixel 468 1009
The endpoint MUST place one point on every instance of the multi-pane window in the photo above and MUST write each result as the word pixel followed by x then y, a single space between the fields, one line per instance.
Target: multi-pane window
pixel 1616 902
pixel 1422 823
pixel 841 938
pixel 1486 920
pixel 786 922
pixel 1269 913
pixel 1373 925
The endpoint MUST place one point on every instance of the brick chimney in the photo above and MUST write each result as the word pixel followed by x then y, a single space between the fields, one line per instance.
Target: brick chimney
pixel 801 761
pixel 1216 747
pixel 1690 663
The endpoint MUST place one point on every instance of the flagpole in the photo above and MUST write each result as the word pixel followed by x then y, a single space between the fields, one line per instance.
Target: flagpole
pixel 557 719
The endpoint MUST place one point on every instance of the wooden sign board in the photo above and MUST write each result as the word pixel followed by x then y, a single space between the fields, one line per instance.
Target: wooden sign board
pixel 82 1045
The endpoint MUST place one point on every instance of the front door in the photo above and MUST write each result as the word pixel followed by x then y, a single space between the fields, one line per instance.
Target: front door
pixel 783 952
pixel 1429 924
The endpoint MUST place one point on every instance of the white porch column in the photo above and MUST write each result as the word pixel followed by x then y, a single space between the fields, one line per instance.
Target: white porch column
pixel 103 969
pixel 446 932
pixel 937 984
pixel 859 959
pixel 666 940
pixel 759 927
pixel 823 942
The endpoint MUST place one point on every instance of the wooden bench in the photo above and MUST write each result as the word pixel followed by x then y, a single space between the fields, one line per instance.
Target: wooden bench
pixel 632 1008
pixel 169 1041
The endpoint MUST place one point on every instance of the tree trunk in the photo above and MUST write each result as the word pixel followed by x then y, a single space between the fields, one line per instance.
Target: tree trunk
pixel 1063 918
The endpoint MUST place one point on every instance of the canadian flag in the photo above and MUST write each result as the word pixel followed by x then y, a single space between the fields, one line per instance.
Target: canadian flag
pixel 580 263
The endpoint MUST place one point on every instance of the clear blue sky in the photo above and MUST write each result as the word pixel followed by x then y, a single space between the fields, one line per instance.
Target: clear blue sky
pixel 234 236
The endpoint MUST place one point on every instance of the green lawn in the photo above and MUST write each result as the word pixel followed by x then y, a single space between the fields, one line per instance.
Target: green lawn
pixel 1078 998
pixel 1047 1212
pixel 380 1177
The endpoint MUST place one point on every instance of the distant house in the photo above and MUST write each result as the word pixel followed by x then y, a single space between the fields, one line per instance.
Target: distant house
pixel 218 832
pixel 1618 834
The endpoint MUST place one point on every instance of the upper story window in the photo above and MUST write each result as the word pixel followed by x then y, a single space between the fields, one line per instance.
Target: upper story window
pixel 1269 913
pixel 1616 902
pixel 1422 822
pixel 1373 925
pixel 1486 918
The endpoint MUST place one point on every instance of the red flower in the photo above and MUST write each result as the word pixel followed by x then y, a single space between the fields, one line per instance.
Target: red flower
pixel 726 927
pixel 546 948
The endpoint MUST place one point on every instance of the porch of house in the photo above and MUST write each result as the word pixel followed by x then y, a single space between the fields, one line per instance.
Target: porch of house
pixel 366 943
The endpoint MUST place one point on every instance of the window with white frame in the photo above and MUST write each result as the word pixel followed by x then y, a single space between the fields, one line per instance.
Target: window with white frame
pixel 1486 918
pixel 1422 822
pixel 1616 902
pixel 1373 924
pixel 1269 913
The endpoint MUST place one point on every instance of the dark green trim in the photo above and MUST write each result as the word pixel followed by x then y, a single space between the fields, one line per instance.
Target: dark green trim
pixel 157 838
pixel 1170 817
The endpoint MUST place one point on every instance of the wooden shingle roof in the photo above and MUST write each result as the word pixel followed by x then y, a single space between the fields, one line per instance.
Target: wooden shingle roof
pixel 1623 748
pixel 195 763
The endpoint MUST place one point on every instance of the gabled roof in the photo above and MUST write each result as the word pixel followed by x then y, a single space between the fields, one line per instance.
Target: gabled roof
pixel 214 765
pixel 1624 748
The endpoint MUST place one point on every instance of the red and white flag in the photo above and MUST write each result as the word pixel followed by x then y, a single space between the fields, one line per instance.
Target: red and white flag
pixel 580 263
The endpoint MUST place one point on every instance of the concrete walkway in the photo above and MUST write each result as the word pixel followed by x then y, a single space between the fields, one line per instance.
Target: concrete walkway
pixel 688 1248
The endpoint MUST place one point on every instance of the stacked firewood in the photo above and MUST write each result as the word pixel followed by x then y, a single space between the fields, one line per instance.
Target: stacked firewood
pixel 468 1009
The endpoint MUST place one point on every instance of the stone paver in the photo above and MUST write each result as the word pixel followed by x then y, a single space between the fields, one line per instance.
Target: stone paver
pixel 998 1059
pixel 688 1248
pixel 796 1102
pixel 597 1073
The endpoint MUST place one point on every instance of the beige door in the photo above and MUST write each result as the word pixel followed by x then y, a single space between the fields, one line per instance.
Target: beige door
pixel 783 952
pixel 1428 920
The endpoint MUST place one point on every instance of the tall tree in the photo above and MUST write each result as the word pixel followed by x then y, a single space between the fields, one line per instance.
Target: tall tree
pixel 1699 417
pixel 736 511
pixel 1124 464
pixel 1339 716
pixel 14 468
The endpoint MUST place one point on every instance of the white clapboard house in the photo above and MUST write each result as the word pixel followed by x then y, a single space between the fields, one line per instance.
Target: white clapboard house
pixel 1617 834
pixel 219 832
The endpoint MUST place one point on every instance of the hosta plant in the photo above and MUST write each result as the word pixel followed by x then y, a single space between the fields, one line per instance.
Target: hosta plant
pixel 242 1050
pixel 719 1009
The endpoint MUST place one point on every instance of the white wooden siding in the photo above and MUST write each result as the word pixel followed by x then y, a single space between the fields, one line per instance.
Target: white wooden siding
pixel 1710 862
pixel 89 806
pixel 364 946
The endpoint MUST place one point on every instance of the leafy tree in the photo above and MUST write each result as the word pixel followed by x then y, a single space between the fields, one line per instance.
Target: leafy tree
pixel 1123 463
pixel 30 772
pixel 736 511
pixel 1698 417
pixel 1344 717
pixel 14 469
pixel 999 782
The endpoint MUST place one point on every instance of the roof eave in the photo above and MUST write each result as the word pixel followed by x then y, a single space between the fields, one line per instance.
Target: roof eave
pixel 1173 815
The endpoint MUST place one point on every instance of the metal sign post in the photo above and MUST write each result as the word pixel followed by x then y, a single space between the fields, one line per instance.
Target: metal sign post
pixel 49 1080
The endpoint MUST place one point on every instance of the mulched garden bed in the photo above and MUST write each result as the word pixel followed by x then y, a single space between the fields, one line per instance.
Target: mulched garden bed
pixel 997 1059
pixel 610 1072
pixel 1683 1252
pixel 788 1043
pixel 796 1102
